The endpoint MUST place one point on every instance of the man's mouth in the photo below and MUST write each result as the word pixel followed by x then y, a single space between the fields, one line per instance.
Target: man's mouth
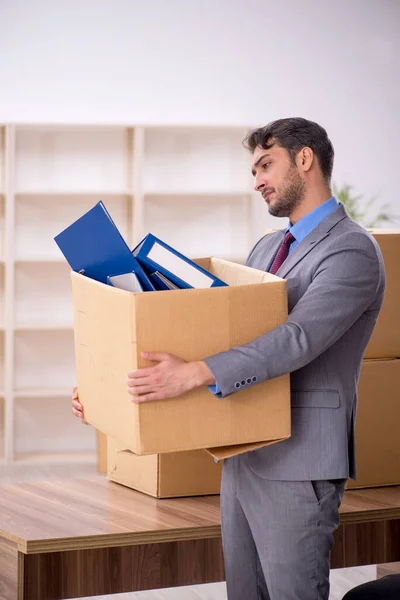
pixel 267 194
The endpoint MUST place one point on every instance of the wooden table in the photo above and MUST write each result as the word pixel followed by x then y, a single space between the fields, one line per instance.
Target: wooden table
pixel 74 538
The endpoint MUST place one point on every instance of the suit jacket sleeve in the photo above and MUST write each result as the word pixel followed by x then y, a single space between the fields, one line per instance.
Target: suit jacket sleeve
pixel 345 283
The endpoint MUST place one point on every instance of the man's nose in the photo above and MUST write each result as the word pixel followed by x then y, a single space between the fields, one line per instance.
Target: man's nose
pixel 259 184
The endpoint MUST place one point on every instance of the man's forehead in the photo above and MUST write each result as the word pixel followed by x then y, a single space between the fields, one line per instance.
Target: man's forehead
pixel 260 152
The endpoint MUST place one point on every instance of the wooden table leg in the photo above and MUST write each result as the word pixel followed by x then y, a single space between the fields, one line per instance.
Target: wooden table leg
pixel 77 573
pixel 11 571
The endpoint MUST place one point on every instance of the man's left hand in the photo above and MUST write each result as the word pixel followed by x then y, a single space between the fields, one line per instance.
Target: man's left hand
pixel 171 377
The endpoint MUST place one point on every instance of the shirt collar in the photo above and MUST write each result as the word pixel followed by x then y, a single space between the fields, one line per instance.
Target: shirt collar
pixel 302 228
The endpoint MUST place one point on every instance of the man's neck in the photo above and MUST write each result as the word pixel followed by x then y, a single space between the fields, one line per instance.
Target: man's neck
pixel 312 200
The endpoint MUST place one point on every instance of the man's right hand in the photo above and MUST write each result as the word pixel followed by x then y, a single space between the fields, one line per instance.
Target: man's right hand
pixel 77 408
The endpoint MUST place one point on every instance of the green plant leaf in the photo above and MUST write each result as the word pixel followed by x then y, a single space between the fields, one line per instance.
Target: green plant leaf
pixel 358 209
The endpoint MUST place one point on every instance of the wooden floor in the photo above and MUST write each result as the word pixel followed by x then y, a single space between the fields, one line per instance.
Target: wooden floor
pixel 341 579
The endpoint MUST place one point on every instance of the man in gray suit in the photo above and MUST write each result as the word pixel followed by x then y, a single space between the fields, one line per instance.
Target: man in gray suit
pixel 280 504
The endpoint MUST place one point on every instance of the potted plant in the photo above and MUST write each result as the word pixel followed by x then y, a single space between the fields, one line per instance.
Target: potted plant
pixel 358 210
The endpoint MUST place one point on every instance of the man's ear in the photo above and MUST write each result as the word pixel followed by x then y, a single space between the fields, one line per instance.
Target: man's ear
pixel 305 159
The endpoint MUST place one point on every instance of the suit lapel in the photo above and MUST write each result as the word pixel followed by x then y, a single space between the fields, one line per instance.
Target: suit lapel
pixel 262 259
pixel 312 240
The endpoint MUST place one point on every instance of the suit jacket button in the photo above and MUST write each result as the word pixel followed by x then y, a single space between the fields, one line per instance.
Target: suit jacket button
pixel 237 384
pixel 248 380
pixel 254 378
pixel 243 382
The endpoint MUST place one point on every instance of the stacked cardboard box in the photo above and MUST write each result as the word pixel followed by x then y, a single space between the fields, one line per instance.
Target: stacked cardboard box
pixel 113 327
pixel 190 473
pixel 378 413
pixel 377 424
pixel 385 341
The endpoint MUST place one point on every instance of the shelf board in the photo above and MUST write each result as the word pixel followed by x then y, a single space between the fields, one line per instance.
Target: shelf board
pixel 55 457
pixel 51 193
pixel 79 127
pixel 43 327
pixel 195 127
pixel 40 259
pixel 43 393
pixel 196 194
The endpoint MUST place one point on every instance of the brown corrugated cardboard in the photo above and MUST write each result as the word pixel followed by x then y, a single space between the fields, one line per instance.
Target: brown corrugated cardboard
pixel 101 443
pixel 385 340
pixel 228 451
pixel 191 473
pixel 377 425
pixel 112 328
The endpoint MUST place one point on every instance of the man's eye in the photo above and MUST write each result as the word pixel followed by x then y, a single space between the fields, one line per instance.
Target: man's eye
pixel 266 165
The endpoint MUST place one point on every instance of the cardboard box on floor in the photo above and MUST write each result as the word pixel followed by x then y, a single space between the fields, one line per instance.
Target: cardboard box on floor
pixel 112 328
pixel 377 425
pixel 385 340
pixel 191 473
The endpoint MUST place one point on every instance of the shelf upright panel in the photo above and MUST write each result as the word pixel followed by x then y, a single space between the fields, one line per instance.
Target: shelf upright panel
pixel 137 166
pixel 9 179
pixel 2 292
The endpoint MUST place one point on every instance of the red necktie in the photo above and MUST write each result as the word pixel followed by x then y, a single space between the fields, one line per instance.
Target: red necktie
pixel 282 253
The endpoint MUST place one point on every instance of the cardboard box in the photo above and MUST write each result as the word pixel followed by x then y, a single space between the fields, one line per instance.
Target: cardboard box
pixel 101 445
pixel 192 473
pixel 112 328
pixel 377 425
pixel 385 340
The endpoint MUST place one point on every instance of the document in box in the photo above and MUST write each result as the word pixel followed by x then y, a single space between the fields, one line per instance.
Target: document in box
pixel 161 282
pixel 126 281
pixel 93 245
pixel 156 255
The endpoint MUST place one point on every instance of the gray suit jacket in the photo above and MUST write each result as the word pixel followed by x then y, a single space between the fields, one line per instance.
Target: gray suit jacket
pixel 335 281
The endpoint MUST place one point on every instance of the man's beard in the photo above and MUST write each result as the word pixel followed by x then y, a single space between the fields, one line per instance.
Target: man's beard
pixel 289 197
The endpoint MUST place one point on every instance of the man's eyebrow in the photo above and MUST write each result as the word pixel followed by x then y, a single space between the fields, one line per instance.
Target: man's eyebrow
pixel 258 162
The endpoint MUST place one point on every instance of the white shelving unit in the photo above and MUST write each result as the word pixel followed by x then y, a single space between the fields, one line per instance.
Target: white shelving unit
pixel 3 407
pixel 191 186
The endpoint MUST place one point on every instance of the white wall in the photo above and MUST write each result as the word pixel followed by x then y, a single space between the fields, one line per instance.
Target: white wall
pixel 213 61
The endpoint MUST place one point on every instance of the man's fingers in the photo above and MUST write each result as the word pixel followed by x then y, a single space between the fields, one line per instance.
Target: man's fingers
pixel 139 389
pixel 156 356
pixel 140 373
pixel 146 398
pixel 146 371
pixel 79 413
pixel 140 381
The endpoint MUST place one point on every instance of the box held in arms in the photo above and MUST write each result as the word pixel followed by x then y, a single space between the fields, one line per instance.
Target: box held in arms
pixel 113 326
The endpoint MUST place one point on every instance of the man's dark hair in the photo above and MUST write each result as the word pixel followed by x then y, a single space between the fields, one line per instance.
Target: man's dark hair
pixel 293 135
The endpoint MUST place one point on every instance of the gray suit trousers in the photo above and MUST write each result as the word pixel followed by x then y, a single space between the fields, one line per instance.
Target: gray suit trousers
pixel 277 535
